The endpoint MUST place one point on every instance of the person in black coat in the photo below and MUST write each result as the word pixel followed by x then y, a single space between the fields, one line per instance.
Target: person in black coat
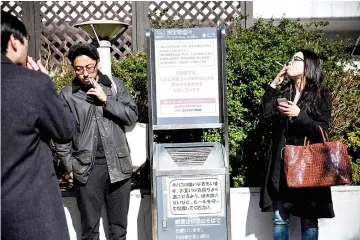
pixel 307 108
pixel 31 115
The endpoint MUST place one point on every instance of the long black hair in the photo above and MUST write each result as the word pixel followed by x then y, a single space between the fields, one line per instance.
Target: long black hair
pixel 315 91
pixel 11 25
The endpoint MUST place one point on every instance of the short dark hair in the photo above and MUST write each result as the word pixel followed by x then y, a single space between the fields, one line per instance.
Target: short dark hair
pixel 11 25
pixel 83 49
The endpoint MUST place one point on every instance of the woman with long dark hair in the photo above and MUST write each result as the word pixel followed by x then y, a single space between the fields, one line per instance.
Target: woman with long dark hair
pixel 307 108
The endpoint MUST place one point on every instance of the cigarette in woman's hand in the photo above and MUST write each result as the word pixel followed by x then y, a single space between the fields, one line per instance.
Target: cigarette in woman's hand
pixel 279 63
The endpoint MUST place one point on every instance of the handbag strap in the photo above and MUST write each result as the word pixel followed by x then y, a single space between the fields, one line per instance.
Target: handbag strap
pixel 306 142
pixel 324 135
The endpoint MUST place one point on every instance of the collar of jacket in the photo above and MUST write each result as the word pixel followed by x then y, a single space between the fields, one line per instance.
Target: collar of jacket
pixel 77 84
pixel 5 59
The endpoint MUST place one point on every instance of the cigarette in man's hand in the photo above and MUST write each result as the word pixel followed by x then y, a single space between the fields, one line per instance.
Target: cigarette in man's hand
pixel 92 81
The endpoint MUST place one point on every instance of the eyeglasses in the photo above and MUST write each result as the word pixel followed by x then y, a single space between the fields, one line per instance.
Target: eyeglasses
pixel 90 68
pixel 295 59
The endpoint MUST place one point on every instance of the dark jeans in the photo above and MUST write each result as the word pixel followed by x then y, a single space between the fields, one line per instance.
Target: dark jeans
pixel 97 192
pixel 281 230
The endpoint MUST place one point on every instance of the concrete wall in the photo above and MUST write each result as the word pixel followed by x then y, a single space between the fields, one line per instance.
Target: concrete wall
pixel 247 222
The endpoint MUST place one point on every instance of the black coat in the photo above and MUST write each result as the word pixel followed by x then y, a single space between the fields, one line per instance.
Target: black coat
pixel 31 115
pixel 306 202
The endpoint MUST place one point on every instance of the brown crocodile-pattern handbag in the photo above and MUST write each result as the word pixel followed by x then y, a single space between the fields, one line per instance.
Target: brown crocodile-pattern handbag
pixel 317 165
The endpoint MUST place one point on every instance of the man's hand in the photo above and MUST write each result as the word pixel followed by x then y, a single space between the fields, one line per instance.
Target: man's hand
pixel 37 66
pixel 289 109
pixel 97 91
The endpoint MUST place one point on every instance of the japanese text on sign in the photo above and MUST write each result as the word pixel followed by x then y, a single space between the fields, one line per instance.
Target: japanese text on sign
pixel 194 228
pixel 186 53
pixel 187 77
pixel 197 221
pixel 195 196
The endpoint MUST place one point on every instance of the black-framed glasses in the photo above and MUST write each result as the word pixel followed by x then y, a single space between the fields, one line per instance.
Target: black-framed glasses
pixel 90 68
pixel 296 58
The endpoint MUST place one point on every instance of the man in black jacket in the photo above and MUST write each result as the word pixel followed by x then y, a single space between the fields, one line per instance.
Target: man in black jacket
pixel 31 115
pixel 98 157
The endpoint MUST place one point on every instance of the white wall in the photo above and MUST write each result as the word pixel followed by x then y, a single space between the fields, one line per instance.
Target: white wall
pixel 342 16
pixel 247 221
pixel 136 137
pixel 306 9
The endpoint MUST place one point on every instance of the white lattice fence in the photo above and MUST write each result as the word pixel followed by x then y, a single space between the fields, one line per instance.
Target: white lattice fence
pixel 59 17
pixel 205 13
pixel 12 7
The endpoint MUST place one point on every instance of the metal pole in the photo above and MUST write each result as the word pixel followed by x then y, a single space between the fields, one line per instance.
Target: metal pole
pixel 150 77
pixel 105 57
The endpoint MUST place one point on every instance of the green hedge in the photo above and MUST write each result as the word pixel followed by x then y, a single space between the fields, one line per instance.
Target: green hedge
pixel 251 55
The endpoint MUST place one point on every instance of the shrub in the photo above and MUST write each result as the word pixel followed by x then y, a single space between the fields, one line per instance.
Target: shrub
pixel 132 70
pixel 62 76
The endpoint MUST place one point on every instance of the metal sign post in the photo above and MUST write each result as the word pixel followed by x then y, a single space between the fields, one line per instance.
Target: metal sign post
pixel 187 90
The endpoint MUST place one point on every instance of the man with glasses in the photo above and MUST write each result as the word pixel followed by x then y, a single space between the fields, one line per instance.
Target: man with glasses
pixel 31 114
pixel 99 157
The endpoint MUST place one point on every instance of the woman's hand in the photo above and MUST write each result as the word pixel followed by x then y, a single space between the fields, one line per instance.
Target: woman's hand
pixel 280 77
pixel 289 109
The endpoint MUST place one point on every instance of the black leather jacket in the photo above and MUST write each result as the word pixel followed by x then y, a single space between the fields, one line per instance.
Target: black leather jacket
pixel 92 116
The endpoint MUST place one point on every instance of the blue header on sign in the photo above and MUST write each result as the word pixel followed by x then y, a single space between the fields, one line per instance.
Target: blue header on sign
pixel 185 33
